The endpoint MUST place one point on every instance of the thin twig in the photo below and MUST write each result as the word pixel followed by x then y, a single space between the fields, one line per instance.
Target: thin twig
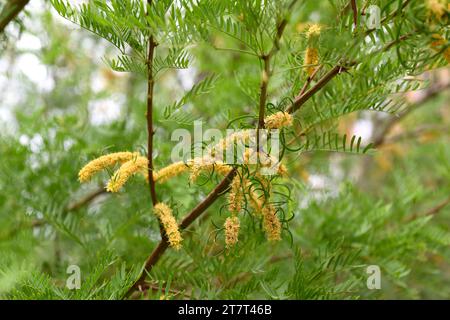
pixel 355 13
pixel 430 212
pixel 85 200
pixel 150 85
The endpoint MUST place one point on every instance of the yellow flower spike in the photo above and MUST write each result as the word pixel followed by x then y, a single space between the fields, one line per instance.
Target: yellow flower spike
pixel 170 171
pixel 278 120
pixel 271 223
pixel 103 162
pixel 236 195
pixel 170 225
pixel 311 59
pixel 127 170
pixel 232 226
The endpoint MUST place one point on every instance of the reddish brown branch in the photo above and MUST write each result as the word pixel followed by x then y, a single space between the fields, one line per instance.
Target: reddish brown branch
pixel 10 11
pixel 309 80
pixel 300 100
pixel 263 94
pixel 150 130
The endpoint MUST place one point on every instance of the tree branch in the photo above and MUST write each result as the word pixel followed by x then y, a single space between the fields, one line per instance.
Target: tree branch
pixel 430 212
pixel 10 11
pixel 187 221
pixel 87 199
pixel 300 100
pixel 150 131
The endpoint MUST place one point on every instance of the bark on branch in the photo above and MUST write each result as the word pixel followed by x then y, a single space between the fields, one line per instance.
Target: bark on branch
pixel 10 11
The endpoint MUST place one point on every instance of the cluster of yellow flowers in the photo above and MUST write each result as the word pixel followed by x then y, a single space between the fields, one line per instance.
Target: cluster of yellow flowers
pixel 132 163
pixel 278 120
pixel 438 8
pixel 232 226
pixel 313 30
pixel 241 189
pixel 165 215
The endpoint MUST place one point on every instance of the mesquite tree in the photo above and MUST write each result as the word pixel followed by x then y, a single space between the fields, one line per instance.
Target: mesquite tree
pixel 297 67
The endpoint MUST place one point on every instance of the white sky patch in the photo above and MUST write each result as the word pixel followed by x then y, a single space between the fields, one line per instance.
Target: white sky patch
pixel 363 128
pixel 105 111
pixel 28 42
pixel 98 82
pixel 30 65
pixel 187 77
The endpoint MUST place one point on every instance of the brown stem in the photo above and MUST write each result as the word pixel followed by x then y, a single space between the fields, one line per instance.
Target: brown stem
pixel 263 94
pixel 309 80
pixel 430 212
pixel 10 11
pixel 301 99
pixel 150 130
pixel 355 13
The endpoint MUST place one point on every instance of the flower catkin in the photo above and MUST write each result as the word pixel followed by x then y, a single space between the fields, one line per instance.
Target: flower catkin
pixel 271 223
pixel 236 195
pixel 311 59
pixel 170 225
pixel 103 162
pixel 124 173
pixel 232 226
pixel 170 171
pixel 278 120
